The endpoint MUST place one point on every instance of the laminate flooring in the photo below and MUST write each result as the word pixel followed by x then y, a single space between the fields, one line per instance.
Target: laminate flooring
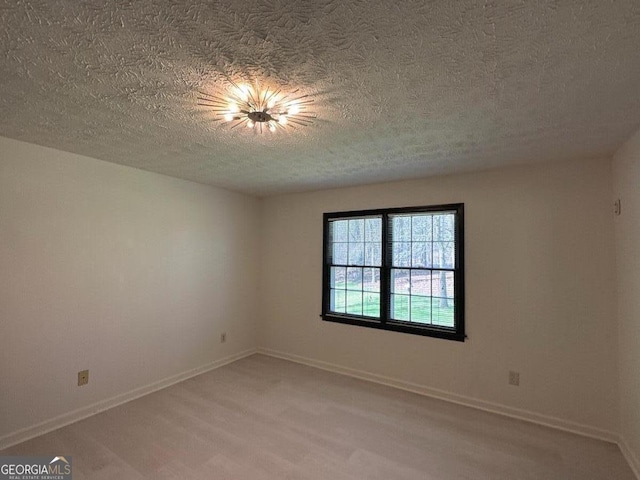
pixel 263 418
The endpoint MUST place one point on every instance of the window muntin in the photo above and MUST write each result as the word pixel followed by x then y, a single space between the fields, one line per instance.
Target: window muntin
pixel 397 269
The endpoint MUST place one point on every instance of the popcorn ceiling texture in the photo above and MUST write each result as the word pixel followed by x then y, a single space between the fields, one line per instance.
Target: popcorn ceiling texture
pixel 403 89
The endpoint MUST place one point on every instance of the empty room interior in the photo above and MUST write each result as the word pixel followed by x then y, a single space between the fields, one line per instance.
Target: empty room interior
pixel 320 239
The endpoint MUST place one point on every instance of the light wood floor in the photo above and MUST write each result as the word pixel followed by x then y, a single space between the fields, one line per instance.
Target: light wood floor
pixel 265 418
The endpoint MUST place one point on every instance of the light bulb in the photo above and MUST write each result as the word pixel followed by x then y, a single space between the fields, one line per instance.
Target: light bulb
pixel 228 117
pixel 243 92
pixel 233 108
pixel 282 120
pixel 250 124
pixel 293 109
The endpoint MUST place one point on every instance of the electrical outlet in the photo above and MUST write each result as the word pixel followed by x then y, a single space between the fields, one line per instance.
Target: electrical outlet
pixel 514 378
pixel 223 337
pixel 83 377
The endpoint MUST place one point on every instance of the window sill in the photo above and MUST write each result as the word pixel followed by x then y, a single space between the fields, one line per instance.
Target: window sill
pixel 396 326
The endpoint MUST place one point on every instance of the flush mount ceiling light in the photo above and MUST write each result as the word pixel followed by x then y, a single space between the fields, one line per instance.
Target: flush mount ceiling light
pixel 259 109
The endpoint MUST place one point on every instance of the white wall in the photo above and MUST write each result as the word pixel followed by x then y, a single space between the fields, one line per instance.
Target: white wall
pixel 129 274
pixel 539 284
pixel 626 176
pixel 134 276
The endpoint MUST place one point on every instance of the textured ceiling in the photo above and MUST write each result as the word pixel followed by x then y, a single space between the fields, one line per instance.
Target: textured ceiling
pixel 402 88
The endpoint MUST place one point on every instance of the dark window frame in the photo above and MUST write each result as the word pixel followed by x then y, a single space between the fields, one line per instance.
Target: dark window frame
pixel 456 333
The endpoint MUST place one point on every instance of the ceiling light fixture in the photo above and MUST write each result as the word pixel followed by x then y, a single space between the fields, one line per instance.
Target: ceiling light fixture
pixel 260 109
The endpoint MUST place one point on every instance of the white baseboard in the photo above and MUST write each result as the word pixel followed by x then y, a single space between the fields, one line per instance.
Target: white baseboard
pixel 631 458
pixel 526 415
pixel 84 412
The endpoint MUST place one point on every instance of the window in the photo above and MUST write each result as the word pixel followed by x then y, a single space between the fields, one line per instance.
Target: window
pixel 398 269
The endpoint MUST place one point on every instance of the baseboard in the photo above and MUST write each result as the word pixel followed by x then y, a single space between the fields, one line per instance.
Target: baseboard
pixel 631 458
pixel 71 417
pixel 500 409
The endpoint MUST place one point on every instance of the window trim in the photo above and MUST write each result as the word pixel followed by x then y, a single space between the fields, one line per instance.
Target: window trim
pixel 385 323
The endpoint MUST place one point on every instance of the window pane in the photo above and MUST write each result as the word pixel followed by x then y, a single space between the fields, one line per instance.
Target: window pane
pixel 443 299
pixel 373 254
pixel 340 230
pixel 438 255
pixel 354 278
pixel 449 227
pixel 444 227
pixel 338 277
pixel 356 230
pixel 443 285
pixel 356 253
pixel 354 302
pixel 339 253
pixel 421 309
pixel 400 280
pixel 400 307
pixel 373 230
pixel 401 228
pixel 420 254
pixel 449 254
pixel 443 255
pixel 421 283
pixel 371 304
pixel 421 228
pixel 401 252
pixel 443 310
pixel 371 279
pixel 338 302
